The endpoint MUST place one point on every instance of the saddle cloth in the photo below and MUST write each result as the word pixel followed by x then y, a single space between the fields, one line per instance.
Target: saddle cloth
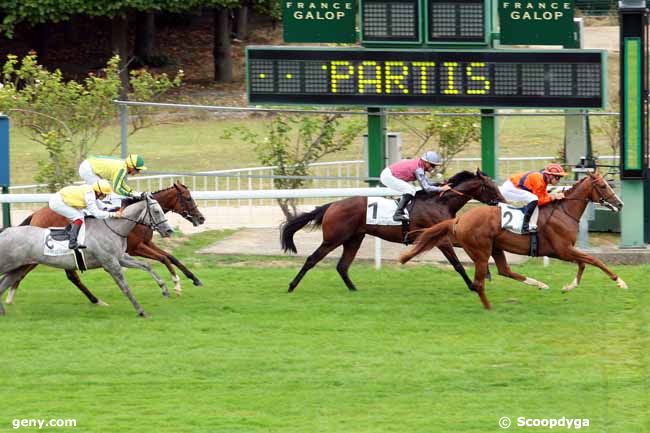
pixel 512 218
pixel 56 240
pixel 380 212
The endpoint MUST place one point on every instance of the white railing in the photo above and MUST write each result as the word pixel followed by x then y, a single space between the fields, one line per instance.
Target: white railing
pixel 338 174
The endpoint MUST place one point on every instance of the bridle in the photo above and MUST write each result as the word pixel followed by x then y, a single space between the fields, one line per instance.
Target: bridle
pixel 188 206
pixel 152 225
pixel 604 200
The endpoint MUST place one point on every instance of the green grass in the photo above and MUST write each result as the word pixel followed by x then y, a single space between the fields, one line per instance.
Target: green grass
pixel 412 351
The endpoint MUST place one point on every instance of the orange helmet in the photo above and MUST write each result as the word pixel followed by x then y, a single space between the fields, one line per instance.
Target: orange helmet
pixel 554 170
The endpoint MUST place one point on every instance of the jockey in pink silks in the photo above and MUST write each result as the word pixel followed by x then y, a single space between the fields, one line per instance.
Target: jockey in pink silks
pixel 398 175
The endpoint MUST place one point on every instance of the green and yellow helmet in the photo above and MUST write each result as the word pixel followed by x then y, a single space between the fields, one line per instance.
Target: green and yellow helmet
pixel 102 186
pixel 135 161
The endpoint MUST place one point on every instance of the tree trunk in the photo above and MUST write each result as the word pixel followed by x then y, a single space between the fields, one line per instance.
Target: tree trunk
pixel 38 40
pixel 119 45
pixel 241 22
pixel 71 32
pixel 145 36
pixel 222 48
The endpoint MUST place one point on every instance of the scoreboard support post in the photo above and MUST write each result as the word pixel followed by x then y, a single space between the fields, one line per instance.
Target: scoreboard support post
pixel 376 143
pixel 490 143
pixel 633 118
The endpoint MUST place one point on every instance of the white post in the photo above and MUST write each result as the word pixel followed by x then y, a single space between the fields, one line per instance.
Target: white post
pixel 377 253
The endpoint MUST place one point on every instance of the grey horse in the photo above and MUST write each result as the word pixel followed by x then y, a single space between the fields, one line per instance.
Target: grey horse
pixel 105 242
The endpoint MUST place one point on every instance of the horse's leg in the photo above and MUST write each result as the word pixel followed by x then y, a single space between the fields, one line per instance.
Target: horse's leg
pixel 504 270
pixel 7 281
pixel 350 248
pixel 144 250
pixel 576 281
pixel 115 270
pixel 574 255
pixel 448 251
pixel 176 263
pixel 481 270
pixel 73 276
pixel 129 262
pixel 24 271
pixel 315 257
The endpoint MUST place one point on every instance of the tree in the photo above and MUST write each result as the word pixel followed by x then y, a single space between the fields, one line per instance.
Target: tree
pixel 67 117
pixel 292 142
pixel 450 135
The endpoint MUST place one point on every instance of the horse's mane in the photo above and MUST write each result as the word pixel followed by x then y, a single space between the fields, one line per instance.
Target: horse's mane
pixel 454 181
pixel 461 177
pixel 573 187
pixel 126 202
pixel 161 190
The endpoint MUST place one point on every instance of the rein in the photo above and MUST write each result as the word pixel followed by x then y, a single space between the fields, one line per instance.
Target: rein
pixel 150 225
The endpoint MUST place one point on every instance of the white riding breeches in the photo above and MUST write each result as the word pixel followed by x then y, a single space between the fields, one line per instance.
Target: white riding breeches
pixel 58 205
pixel 512 193
pixel 392 182
pixel 87 174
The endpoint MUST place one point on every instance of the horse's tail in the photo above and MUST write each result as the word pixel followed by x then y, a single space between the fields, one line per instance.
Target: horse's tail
pixel 27 221
pixel 292 225
pixel 429 238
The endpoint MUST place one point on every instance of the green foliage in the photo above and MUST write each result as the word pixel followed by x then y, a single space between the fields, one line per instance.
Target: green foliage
pixel 293 142
pixel 67 117
pixel 448 135
pixel 39 11
pixel 271 8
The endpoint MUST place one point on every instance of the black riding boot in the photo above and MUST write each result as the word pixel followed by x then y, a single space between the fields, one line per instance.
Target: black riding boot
pixel 528 212
pixel 399 212
pixel 74 233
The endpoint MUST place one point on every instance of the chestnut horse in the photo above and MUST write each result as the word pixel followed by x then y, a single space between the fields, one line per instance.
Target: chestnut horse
pixel 177 198
pixel 344 223
pixel 480 234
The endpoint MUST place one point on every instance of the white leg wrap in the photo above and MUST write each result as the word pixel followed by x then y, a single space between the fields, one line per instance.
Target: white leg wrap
pixel 570 286
pixel 534 282
pixel 620 283
pixel 10 296
pixel 177 284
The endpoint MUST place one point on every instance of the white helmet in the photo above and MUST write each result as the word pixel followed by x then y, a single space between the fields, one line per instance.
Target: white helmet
pixel 432 158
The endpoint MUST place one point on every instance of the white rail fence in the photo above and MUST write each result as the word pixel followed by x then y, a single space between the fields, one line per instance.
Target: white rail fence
pixel 326 175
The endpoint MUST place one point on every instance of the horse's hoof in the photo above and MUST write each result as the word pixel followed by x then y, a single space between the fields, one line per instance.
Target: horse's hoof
pixel 143 314
pixel 178 292
pixel 101 303
pixel 197 282
pixel 543 286
pixel 620 283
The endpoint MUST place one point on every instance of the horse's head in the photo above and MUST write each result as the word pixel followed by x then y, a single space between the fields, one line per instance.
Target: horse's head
pixel 154 217
pixel 601 192
pixel 178 199
pixel 478 186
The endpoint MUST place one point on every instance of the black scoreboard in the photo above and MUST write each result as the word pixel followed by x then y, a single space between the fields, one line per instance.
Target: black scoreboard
pixel 473 78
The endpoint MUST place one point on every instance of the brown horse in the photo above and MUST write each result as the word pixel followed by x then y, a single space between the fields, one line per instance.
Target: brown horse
pixel 480 234
pixel 344 223
pixel 177 198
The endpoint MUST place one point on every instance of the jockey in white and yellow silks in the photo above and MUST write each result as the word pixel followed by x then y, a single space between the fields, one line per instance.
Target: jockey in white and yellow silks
pixel 72 201
pixel 114 170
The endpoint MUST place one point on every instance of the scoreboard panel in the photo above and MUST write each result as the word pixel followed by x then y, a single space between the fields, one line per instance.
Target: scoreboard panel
pixel 472 78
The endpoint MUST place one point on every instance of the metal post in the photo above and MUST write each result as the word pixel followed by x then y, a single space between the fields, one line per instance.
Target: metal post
pixel 5 168
pixel 489 144
pixel 124 130
pixel 376 142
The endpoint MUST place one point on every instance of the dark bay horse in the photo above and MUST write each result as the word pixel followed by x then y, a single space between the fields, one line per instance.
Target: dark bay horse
pixel 480 234
pixel 177 198
pixel 343 222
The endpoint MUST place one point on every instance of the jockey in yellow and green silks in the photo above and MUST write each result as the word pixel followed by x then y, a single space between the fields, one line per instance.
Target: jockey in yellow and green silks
pixel 114 170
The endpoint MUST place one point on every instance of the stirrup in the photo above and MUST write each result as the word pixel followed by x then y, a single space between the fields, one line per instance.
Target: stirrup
pixel 400 217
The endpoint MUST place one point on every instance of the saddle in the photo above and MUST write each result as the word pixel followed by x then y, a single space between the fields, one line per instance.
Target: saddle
pixel 56 244
pixel 512 219
pixel 60 233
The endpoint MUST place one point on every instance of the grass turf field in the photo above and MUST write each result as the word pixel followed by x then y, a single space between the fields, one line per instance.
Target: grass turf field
pixel 412 351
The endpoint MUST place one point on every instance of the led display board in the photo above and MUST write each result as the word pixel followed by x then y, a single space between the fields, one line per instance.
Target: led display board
pixel 456 21
pixel 479 78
